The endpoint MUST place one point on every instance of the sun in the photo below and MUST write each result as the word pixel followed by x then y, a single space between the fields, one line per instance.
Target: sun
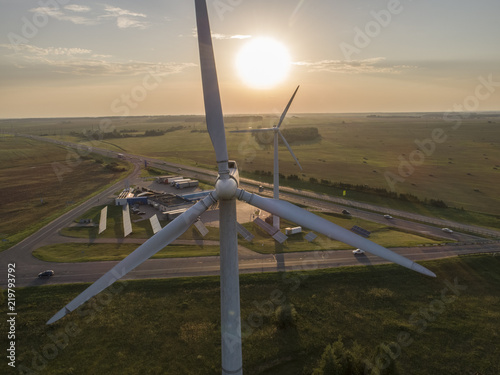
pixel 263 63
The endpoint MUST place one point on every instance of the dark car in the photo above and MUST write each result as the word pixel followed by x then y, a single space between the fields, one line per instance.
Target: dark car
pixel 345 212
pixel 46 273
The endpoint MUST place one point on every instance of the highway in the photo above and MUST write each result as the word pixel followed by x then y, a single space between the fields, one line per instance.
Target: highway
pixel 27 266
pixel 338 203
pixel 249 262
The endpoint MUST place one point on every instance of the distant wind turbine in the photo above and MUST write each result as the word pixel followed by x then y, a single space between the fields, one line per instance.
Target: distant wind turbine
pixel 226 192
pixel 276 130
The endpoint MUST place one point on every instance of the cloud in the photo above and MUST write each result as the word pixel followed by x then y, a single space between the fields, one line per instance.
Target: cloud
pixel 49 51
pixel 116 12
pixel 99 67
pixel 77 8
pixel 219 36
pixel 58 14
pixel 222 36
pixel 82 62
pixel 372 65
pixel 124 18
pixel 125 22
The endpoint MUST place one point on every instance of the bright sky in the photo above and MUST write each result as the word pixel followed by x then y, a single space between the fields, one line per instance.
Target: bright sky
pixel 110 57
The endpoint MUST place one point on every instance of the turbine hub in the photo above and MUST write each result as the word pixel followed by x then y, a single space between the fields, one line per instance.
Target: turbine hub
pixel 226 189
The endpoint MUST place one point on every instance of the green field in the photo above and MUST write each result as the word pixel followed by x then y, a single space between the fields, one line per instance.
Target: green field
pixel 382 234
pixel 459 215
pixel 97 252
pixel 262 243
pixel 173 326
pixel 114 227
pixel 463 170
pixel 39 181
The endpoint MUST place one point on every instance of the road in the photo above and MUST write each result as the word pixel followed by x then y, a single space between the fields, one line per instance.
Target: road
pixel 21 252
pixel 338 203
pixel 249 262
pixel 27 266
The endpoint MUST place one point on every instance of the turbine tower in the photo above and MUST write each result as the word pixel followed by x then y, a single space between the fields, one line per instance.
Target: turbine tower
pixel 226 191
pixel 276 174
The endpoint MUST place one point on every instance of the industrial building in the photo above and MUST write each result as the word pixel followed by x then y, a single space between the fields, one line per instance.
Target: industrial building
pixel 169 205
pixel 128 197
pixel 167 202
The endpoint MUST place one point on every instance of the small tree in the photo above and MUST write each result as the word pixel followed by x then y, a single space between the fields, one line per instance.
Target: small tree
pixel 338 360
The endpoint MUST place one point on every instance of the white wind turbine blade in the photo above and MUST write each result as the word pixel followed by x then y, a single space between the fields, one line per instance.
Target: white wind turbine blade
pixel 289 149
pixel 211 94
pixel 141 254
pixel 307 219
pixel 287 107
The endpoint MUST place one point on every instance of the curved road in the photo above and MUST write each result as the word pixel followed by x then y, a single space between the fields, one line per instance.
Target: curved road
pixel 27 266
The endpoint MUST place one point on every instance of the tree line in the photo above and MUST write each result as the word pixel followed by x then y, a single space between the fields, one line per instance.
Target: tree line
pixel 406 197
pixel 99 135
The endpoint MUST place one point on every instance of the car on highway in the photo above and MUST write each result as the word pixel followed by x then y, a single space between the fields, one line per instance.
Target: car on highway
pixel 447 230
pixel 47 273
pixel 345 212
pixel 358 252
pixel 388 217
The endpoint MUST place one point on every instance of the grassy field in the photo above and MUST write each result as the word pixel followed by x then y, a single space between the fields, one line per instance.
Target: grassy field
pixel 262 243
pixel 381 234
pixel 78 252
pixel 461 169
pixel 40 181
pixel 454 214
pixel 114 227
pixel 449 325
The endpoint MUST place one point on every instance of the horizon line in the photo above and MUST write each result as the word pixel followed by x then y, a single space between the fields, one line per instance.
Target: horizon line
pixel 493 112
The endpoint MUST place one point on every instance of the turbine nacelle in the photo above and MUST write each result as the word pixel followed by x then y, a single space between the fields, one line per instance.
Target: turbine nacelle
pixel 227 184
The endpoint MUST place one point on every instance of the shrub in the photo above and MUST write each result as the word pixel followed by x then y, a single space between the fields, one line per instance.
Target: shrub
pixel 338 360
pixel 286 316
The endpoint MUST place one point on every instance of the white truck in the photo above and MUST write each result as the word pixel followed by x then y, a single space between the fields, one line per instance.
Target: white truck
pixel 293 230
pixel 186 183
pixel 173 180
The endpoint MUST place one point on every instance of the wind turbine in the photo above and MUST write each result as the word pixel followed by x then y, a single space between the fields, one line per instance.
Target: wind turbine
pixel 226 192
pixel 276 130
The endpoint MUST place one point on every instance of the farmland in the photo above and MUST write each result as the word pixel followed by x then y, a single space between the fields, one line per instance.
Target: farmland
pixel 461 166
pixel 38 184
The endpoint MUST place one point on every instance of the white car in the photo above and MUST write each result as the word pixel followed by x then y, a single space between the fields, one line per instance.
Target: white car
pixel 358 251
pixel 447 230
pixel 388 217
